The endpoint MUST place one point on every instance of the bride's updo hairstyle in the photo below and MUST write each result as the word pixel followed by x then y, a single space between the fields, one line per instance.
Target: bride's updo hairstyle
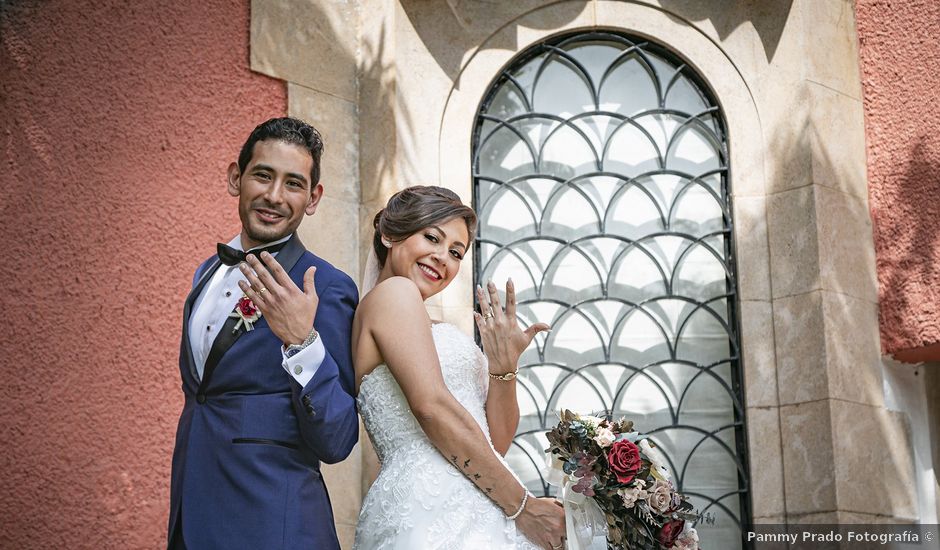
pixel 412 209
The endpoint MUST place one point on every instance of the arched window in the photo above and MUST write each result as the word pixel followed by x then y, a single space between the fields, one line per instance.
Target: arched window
pixel 600 170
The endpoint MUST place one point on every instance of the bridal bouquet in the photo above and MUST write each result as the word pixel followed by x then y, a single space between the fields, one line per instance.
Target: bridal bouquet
pixel 614 477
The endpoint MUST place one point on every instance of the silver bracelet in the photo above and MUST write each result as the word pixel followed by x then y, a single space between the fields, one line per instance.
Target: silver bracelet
pixel 525 498
pixel 294 349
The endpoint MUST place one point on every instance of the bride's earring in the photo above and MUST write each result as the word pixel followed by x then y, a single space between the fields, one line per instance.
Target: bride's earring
pixel 387 243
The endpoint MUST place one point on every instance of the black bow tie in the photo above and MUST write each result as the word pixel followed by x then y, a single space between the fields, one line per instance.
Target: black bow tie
pixel 233 256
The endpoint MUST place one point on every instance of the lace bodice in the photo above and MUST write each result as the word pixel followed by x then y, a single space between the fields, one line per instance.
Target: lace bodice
pixel 419 499
pixel 385 410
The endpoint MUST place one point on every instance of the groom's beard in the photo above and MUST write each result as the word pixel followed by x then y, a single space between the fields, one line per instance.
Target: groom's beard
pixel 259 232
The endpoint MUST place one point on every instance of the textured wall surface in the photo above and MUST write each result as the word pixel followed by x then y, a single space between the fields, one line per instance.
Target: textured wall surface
pixel 118 122
pixel 900 61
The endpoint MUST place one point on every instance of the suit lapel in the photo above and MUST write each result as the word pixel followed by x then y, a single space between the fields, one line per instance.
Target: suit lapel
pixel 227 337
pixel 188 310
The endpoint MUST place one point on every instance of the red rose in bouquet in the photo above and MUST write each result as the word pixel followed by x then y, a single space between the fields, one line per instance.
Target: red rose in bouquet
pixel 670 532
pixel 624 460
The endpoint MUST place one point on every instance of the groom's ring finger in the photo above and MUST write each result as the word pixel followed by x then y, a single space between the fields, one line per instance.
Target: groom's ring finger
pixel 261 272
pixel 253 284
pixel 252 294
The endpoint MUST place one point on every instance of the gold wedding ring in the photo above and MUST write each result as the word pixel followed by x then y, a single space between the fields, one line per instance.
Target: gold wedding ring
pixel 488 315
pixel 261 291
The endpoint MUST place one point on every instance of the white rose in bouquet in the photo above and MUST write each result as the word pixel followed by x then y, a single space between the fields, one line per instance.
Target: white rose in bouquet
pixel 656 457
pixel 604 437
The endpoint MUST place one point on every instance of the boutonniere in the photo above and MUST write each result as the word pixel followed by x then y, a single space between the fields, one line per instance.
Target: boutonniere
pixel 247 312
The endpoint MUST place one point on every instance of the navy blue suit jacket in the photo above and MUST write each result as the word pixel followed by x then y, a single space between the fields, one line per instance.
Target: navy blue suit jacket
pixel 246 467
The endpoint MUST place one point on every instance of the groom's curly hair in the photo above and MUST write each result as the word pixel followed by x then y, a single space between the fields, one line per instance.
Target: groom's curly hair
pixel 414 208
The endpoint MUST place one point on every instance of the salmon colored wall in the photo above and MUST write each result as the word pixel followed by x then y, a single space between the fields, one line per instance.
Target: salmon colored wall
pixel 118 120
pixel 900 61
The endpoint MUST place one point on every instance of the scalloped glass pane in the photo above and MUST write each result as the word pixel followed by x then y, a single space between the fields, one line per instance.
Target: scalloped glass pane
pixel 696 210
pixel 577 340
pixel 631 151
pixel 508 102
pixel 692 150
pixel 568 152
pixel 597 128
pixel 506 154
pixel 684 96
pixel 701 275
pixel 559 73
pixel 595 57
pixel 572 274
pixel 629 88
pixel 705 399
pixel 642 338
pixel 571 215
pixel 635 213
pixel 504 213
pixel 660 127
pixel 646 399
pixel 636 277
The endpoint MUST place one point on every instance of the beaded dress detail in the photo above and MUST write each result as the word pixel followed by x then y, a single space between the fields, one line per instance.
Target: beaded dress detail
pixel 419 499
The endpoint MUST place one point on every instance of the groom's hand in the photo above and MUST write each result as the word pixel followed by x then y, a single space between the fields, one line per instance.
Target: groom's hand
pixel 289 310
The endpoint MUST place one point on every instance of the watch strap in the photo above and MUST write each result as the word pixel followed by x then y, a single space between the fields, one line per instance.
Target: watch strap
pixel 294 349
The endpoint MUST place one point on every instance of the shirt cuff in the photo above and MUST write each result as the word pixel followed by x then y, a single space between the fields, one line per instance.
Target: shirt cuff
pixel 304 364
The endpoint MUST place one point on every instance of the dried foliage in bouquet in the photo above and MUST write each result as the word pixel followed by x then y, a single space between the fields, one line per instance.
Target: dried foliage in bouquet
pixel 626 476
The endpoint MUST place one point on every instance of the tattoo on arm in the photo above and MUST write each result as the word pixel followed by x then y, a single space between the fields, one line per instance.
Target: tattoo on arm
pixel 476 477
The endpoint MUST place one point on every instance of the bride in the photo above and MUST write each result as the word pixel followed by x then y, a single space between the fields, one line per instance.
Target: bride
pixel 437 410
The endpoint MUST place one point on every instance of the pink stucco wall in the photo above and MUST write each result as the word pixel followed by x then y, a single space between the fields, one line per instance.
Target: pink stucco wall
pixel 900 62
pixel 117 121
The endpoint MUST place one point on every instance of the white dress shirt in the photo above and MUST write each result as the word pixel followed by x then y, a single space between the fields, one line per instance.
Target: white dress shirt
pixel 212 308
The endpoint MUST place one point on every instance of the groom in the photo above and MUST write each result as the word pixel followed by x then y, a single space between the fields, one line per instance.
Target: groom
pixel 266 366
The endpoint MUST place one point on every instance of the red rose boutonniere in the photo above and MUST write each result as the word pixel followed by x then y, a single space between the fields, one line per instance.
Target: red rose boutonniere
pixel 247 312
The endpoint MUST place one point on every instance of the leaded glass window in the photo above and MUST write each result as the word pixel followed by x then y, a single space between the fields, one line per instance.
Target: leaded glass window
pixel 601 179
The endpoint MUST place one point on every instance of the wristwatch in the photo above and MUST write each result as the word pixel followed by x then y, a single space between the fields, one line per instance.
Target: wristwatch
pixel 509 376
pixel 294 349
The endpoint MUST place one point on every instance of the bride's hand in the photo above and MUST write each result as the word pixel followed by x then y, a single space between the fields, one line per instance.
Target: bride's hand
pixel 543 522
pixel 503 339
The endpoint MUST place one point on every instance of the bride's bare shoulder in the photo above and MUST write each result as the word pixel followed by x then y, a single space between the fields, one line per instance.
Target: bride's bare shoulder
pixel 391 295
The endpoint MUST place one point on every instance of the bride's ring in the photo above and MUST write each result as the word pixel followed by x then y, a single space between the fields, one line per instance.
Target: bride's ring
pixel 488 315
pixel 559 547
pixel 261 291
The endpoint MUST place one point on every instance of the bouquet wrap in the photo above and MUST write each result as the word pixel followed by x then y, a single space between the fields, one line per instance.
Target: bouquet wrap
pixel 585 522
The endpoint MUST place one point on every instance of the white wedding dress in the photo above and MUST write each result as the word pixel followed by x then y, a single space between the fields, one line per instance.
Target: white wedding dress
pixel 420 500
